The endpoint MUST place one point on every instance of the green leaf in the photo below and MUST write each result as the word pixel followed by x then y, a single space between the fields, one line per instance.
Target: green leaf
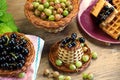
pixel 11 24
pixel 4 28
pixel 3 5
pixel 6 17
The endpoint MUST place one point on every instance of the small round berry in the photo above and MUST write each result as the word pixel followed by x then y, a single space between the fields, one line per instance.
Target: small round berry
pixel 43 16
pixel 67 78
pixel 58 17
pixel 35 4
pixel 59 10
pixel 46 72
pixel 13 36
pixel 85 58
pixel 82 40
pixel 72 67
pixel 69 45
pixel 63 1
pixel 51 8
pixel 51 18
pixel 48 12
pixel 85 49
pixel 61 77
pixel 37 12
pixel 73 36
pixel 21 75
pixel 56 74
pixel 65 13
pixel 57 1
pixel 78 64
pixel 94 55
pixel 84 76
pixel 90 76
pixel 40 7
pixel 73 43
pixel 68 3
pixel 46 4
pixel 58 62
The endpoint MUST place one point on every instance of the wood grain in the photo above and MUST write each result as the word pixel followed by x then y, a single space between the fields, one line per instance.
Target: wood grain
pixel 106 67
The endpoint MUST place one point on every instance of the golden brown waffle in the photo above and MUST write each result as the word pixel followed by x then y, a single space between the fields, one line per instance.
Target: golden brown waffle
pixel 112 24
pixel 53 56
pixel 29 59
pixel 116 3
pixel 113 28
pixel 50 26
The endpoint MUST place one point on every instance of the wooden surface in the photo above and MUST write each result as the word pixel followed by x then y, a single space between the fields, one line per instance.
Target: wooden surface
pixel 106 67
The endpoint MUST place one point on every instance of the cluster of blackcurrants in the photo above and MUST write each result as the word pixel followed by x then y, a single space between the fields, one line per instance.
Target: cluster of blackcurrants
pixel 104 13
pixel 13 52
pixel 71 41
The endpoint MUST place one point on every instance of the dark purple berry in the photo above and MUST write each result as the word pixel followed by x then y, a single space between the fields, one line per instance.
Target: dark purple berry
pixel 81 39
pixel 16 48
pixel 111 9
pixel 73 36
pixel 1 47
pixel 106 7
pixel 19 65
pixel 63 41
pixel 23 42
pixel 67 39
pixel 4 53
pixel 69 45
pixel 73 43
pixel 4 39
pixel 25 51
pixel 13 36
pixel 20 57
pixel 12 42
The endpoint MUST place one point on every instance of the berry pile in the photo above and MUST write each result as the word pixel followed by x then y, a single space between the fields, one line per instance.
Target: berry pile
pixel 71 41
pixel 13 52
pixel 104 13
pixel 52 10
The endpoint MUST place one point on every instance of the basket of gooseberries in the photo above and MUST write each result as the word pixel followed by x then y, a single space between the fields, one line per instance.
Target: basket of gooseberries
pixel 51 15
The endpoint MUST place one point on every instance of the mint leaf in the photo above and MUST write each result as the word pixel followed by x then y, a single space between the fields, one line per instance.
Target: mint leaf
pixel 4 28
pixel 3 5
pixel 6 17
pixel 11 24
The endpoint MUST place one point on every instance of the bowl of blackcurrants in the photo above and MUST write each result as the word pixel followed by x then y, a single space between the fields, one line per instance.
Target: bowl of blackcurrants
pixel 16 54
pixel 51 15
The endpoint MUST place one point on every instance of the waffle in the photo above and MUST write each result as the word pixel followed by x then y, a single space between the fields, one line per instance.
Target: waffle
pixel 111 25
pixel 116 3
pixel 67 58
pixel 28 62
pixel 50 26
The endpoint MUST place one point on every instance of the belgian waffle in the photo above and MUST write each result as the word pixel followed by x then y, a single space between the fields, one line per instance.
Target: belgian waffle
pixel 28 62
pixel 112 24
pixel 56 52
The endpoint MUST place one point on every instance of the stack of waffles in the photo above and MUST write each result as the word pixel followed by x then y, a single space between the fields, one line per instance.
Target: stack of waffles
pixel 108 17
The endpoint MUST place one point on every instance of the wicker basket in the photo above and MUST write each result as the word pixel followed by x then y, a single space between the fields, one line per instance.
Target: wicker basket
pixel 50 26
pixel 54 55
pixel 28 62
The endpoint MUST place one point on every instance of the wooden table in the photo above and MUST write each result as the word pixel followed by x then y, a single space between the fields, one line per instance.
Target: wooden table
pixel 106 67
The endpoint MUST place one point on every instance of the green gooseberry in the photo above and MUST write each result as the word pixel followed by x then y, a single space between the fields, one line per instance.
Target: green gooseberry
pixel 61 77
pixel 78 64
pixel 85 58
pixel 57 1
pixel 21 75
pixel 35 4
pixel 72 67
pixel 51 18
pixel 84 76
pixel 63 1
pixel 90 76
pixel 40 7
pixel 46 4
pixel 65 12
pixel 58 62
pixel 48 12
pixel 94 55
